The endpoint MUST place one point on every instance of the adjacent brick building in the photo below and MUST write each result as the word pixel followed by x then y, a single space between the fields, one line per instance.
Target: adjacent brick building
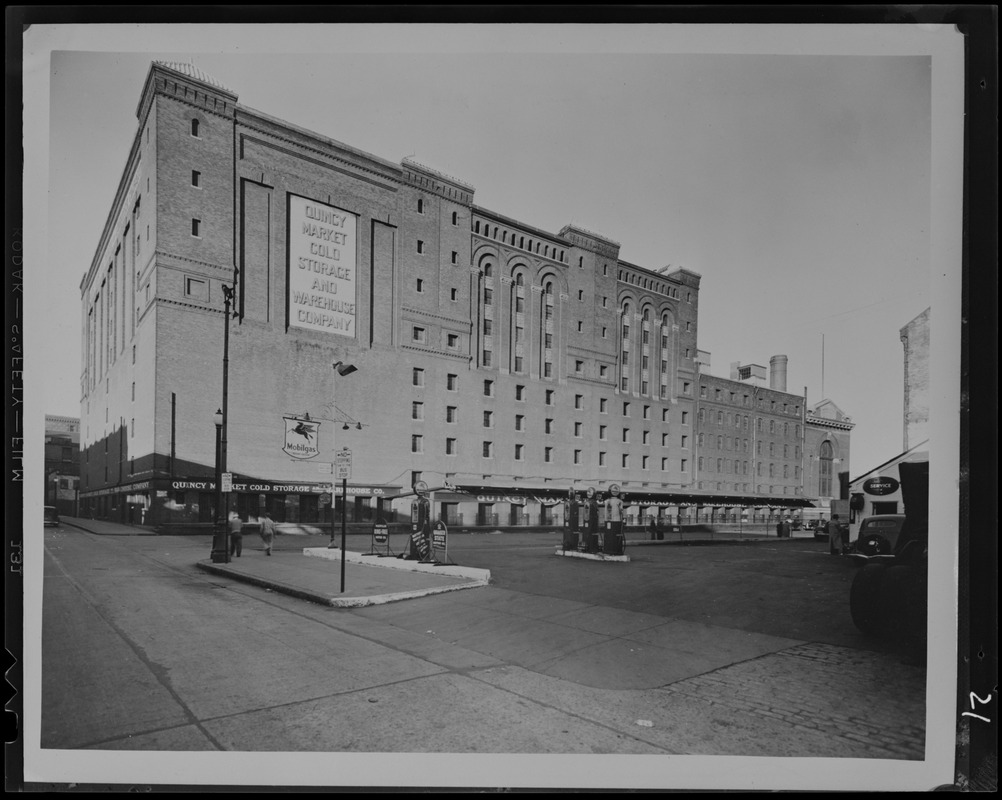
pixel 500 361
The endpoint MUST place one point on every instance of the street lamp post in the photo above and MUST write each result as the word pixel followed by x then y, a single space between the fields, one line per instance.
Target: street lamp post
pixel 220 543
pixel 220 552
pixel 340 368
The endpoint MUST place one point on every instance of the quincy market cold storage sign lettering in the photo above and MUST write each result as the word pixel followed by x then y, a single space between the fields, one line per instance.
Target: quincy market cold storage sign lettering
pixel 322 242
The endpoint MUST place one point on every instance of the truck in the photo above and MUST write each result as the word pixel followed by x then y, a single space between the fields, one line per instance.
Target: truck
pixel 889 595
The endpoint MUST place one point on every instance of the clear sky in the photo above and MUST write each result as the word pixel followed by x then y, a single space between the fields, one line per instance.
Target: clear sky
pixel 794 176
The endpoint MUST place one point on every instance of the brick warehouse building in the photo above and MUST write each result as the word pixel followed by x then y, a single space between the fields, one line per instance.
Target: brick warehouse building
pixel 494 359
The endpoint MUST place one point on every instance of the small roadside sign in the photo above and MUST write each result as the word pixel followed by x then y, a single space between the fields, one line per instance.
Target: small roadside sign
pixel 438 536
pixel 227 484
pixel 342 465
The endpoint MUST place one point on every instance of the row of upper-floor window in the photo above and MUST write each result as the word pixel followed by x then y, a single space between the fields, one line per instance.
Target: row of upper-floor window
pixel 727 443
pixel 577 428
pixel 743 422
pixel 521 394
pixel 549 454
pixel 736 467
pixel 744 399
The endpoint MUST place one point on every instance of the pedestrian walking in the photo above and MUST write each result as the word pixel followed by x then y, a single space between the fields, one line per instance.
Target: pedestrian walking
pixel 267 532
pixel 836 546
pixel 236 534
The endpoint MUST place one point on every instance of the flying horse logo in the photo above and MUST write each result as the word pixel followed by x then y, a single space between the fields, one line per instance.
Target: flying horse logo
pixel 301 438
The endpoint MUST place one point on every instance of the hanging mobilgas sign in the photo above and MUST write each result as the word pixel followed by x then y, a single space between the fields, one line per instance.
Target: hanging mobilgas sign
pixel 302 438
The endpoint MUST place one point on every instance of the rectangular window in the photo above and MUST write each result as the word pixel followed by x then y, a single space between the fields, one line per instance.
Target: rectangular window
pixel 647 412
pixel 451 413
pixel 685 417
pixel 452 382
pixel 647 437
pixel 420 284
pixel 519 419
pixel 685 441
pixel 488 449
pixel 488 388
pixel 579 366
pixel 626 409
pixel 578 428
pixel 548 426
pixel 488 357
pixel 603 371
pixel 196 227
pixel 579 401
pixel 196 288
pixel 626 460
pixel 418 334
pixel 196 177
pixel 420 246
pixel 603 406
pixel 452 341
pixel 547 454
pixel 455 257
pixel 417 444
pixel 684 465
pixel 601 432
pixel 577 456
pixel 417 410
pixel 519 449
pixel 644 461
pixel 520 393
pixel 664 439
pixel 417 378
pixel 601 459
pixel 626 435
pixel 450 447
pixel 453 296
pixel 549 397
pixel 488 419
pixel 420 206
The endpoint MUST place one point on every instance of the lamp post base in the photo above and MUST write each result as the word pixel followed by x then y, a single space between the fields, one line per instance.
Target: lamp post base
pixel 220 552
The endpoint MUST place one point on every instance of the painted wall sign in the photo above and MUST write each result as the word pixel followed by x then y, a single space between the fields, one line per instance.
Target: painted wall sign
pixel 322 248
pixel 302 438
pixel 880 486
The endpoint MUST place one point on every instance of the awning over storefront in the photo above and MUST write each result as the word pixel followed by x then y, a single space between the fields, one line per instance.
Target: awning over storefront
pixel 643 496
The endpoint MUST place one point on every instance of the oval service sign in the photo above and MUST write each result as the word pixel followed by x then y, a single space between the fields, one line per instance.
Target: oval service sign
pixel 880 486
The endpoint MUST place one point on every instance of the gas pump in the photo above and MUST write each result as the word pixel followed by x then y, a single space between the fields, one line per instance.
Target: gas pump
pixel 591 539
pixel 419 547
pixel 571 522
pixel 613 541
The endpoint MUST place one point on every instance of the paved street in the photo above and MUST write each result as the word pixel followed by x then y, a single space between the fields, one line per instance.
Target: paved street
pixel 737 649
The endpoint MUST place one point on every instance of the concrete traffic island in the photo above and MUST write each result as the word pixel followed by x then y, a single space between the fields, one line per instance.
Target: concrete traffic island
pixel 590 556
pixel 315 575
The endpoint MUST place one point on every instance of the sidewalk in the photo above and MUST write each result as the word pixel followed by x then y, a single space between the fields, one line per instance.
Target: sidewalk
pixel 314 574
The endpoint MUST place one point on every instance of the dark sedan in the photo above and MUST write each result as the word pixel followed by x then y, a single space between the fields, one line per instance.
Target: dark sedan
pixel 878 535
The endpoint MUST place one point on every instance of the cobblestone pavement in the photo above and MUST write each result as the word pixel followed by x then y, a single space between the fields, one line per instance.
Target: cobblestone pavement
pixel 893 728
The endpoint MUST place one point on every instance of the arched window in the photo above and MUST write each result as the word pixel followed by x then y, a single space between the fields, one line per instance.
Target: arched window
pixel 194 127
pixel 825 464
pixel 547 332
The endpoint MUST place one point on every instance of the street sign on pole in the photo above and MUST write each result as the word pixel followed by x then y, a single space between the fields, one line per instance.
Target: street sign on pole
pixel 227 482
pixel 342 465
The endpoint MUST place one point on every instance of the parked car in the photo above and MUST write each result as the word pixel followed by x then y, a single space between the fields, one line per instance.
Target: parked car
pixel 878 536
pixel 820 529
pixel 51 516
pixel 889 595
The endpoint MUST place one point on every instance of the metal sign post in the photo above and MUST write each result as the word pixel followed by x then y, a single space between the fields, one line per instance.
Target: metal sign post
pixel 342 466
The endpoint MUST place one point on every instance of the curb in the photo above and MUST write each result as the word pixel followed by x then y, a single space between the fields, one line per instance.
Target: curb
pixel 391 562
pixel 329 600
